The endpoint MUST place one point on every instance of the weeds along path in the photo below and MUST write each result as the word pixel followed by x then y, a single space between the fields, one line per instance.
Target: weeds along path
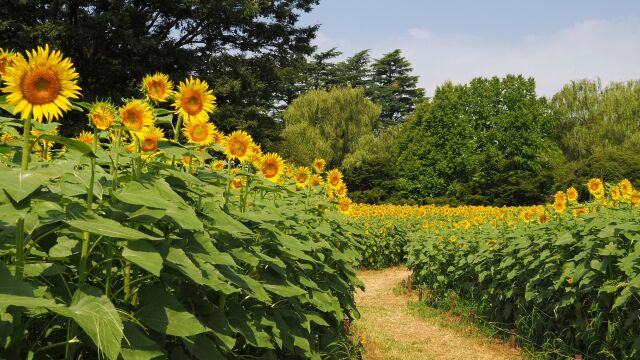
pixel 391 332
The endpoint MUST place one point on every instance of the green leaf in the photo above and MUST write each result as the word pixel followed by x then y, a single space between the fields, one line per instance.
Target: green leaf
pixel 98 318
pixel 163 313
pixel 85 220
pixel 20 184
pixel 143 254
pixel 71 144
pixel 137 346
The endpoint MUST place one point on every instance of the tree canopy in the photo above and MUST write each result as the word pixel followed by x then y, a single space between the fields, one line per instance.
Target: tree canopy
pixel 249 51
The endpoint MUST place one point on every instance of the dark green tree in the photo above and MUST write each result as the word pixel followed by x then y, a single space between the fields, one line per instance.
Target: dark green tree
pixel 393 86
pixel 487 142
pixel 322 72
pixel 249 51
pixel 355 71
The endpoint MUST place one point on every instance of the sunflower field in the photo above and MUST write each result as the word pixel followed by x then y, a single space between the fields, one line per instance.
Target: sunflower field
pixel 565 276
pixel 123 244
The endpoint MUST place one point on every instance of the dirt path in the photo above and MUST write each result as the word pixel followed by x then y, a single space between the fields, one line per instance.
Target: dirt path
pixel 391 332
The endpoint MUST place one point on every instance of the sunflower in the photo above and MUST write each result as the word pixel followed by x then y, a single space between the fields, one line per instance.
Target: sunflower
pixel 194 100
pixel 635 197
pixel 199 132
pixel 219 138
pixel 86 137
pixel 560 196
pixel 238 182
pixel 157 87
pixel 543 218
pixel 7 60
pixel 272 166
pixel 595 187
pixel 572 194
pixel 302 176
pixel 136 115
pixel 7 138
pixel 341 190
pixel 560 206
pixel 102 115
pixel 256 155
pixel 318 165
pixel 345 205
pixel 41 85
pixel 626 189
pixel 238 145
pixel 334 178
pixel 615 193
pixel 149 139
pixel 316 180
pixel 580 211
pixel 217 165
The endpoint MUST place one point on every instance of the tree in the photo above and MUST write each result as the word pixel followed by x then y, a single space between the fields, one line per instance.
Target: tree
pixel 355 71
pixel 594 119
pixel 369 169
pixel 487 142
pixel 394 88
pixel 250 51
pixel 321 72
pixel 327 124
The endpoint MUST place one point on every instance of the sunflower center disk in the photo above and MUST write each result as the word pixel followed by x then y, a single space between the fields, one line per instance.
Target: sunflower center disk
pixel 40 86
pixel 156 90
pixel 133 119
pixel 199 133
pixel 238 149
pixel 149 145
pixel 269 170
pixel 192 103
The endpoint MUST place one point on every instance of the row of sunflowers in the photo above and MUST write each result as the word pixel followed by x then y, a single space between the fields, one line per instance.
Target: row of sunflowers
pixel 565 276
pixel 155 235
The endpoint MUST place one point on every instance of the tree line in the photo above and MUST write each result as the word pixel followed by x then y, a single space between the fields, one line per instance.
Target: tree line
pixel 490 141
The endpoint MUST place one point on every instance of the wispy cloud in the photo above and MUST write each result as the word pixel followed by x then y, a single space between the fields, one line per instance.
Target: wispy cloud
pixel 596 48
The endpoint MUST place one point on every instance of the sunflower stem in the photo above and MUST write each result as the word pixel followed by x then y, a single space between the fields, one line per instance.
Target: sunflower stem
pixel 25 144
pixel 116 159
pixel 126 272
pixel 228 191
pixel 176 133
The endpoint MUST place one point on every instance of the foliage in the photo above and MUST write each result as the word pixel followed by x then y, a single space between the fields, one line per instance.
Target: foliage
pixel 250 51
pixel 594 119
pixel 140 250
pixel 370 168
pixel 327 124
pixel 571 280
pixel 486 142
pixel 394 88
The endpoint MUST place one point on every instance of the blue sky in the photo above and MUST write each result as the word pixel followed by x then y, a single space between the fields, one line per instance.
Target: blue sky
pixel 553 41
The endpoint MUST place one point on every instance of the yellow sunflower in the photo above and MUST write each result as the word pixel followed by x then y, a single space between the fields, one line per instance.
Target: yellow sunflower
pixel 256 155
pixel 302 176
pixel 199 132
pixel 316 180
pixel 595 187
pixel 219 138
pixel 272 166
pixel 341 190
pixel 238 145
pixel 86 137
pixel 345 205
pixel 318 165
pixel 157 87
pixel 7 138
pixel 572 194
pixel 559 196
pixel 149 139
pixel 334 178
pixel 102 115
pixel 7 60
pixel 635 197
pixel 238 182
pixel 626 189
pixel 194 100
pixel 615 193
pixel 136 115
pixel 217 165
pixel 38 149
pixel 543 218
pixel 41 85
pixel 560 206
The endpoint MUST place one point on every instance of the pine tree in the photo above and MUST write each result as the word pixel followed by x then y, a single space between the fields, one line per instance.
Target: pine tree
pixel 394 88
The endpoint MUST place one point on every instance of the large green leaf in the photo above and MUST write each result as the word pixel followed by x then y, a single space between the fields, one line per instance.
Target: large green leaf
pixel 20 184
pixel 88 221
pixel 163 313
pixel 98 318
pixel 137 346
pixel 143 254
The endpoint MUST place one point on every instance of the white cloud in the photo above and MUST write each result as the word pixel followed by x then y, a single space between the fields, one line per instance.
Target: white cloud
pixel 588 49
